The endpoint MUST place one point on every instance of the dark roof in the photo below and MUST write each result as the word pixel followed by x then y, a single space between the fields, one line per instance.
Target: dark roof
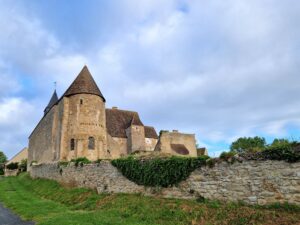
pixel 117 121
pixel 180 149
pixel 84 84
pixel 150 132
pixel 51 103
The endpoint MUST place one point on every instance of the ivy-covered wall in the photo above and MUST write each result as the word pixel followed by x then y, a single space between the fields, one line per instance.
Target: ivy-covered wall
pixel 254 182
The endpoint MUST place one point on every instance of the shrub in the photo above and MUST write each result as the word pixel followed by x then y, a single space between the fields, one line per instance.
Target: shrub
pixel 155 172
pixel 1 170
pixel 81 161
pixel 227 155
pixel 12 166
pixel 23 165
pixel 289 152
pixel 248 144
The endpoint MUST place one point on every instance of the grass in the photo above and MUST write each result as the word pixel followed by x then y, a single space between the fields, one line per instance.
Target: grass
pixel 46 202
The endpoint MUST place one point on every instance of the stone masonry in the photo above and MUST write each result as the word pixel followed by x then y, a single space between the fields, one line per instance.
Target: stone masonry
pixel 253 182
pixel 79 125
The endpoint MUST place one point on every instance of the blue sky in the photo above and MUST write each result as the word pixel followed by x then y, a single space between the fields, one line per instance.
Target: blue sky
pixel 221 69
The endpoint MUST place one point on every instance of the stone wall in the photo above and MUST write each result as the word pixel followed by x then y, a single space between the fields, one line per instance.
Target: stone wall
pixel 9 173
pixel 41 145
pixel 166 139
pixel 254 182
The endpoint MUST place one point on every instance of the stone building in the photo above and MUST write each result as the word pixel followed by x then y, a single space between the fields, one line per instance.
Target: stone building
pixel 78 125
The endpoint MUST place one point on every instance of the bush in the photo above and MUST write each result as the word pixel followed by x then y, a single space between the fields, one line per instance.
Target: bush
pixel 1 170
pixel 23 165
pixel 156 172
pixel 227 155
pixel 286 151
pixel 81 161
pixel 248 144
pixel 12 166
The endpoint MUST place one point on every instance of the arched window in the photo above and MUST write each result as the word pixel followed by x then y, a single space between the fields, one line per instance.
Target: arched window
pixel 91 143
pixel 72 144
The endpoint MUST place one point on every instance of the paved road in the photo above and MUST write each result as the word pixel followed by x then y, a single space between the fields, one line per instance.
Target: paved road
pixel 8 218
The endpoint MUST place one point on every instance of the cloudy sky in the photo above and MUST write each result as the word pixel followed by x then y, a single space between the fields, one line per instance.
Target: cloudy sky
pixel 219 68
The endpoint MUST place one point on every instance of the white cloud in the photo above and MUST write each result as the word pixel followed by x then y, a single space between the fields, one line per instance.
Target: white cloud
pixel 221 69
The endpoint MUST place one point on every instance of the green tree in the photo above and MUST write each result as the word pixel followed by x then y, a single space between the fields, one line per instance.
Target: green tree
pixel 280 142
pixel 248 144
pixel 3 157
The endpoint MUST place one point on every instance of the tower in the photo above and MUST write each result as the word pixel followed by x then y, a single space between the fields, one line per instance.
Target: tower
pixel 84 122
pixel 52 102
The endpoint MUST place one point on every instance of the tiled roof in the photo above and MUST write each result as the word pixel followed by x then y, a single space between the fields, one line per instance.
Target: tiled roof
pixel 150 132
pixel 84 84
pixel 117 121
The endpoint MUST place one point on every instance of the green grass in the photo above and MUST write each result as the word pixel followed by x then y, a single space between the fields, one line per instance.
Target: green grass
pixel 47 202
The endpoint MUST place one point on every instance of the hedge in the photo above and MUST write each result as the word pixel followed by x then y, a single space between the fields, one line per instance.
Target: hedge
pixel 155 172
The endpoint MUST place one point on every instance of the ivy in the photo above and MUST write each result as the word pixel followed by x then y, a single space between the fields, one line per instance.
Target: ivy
pixel 164 172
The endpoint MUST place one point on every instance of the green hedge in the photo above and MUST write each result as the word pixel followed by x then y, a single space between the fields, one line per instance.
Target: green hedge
pixel 163 172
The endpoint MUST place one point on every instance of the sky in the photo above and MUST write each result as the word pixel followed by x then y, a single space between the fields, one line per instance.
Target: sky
pixel 221 69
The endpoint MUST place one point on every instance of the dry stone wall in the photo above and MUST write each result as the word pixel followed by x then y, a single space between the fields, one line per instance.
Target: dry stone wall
pixel 253 182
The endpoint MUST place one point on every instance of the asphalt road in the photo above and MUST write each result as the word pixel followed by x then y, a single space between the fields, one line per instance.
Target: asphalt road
pixel 7 217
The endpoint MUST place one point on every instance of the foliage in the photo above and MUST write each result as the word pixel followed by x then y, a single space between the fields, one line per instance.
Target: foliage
pixel 162 172
pixel 278 150
pixel 81 161
pixel 277 141
pixel 248 144
pixel 3 157
pixel 12 166
pixel 23 165
pixel 98 161
pixel 48 203
pixel 1 169
pixel 227 155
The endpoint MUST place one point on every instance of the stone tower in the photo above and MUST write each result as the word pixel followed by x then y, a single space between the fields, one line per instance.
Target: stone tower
pixel 84 133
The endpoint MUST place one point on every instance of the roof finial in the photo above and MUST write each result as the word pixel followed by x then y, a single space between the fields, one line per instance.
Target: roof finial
pixel 55 83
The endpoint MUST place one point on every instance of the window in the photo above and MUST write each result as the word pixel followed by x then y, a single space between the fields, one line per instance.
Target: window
pixel 72 144
pixel 81 101
pixel 91 143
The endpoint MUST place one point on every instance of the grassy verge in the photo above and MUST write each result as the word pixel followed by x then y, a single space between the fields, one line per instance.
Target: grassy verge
pixel 46 202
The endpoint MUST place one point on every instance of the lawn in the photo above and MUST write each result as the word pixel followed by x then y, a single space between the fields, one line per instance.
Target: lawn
pixel 47 202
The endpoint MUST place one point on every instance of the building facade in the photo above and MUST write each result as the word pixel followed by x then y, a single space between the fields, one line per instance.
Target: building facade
pixel 79 125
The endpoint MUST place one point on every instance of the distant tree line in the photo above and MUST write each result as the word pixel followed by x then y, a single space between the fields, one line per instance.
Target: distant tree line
pixel 3 160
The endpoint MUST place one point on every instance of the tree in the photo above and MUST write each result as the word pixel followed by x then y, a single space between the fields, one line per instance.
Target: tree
pixel 3 157
pixel 248 144
pixel 280 142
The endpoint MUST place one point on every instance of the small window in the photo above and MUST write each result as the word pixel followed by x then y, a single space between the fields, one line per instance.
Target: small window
pixel 81 101
pixel 72 144
pixel 91 143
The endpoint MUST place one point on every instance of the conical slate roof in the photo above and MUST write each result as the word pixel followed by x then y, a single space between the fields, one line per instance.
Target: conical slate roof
pixel 52 102
pixel 84 84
